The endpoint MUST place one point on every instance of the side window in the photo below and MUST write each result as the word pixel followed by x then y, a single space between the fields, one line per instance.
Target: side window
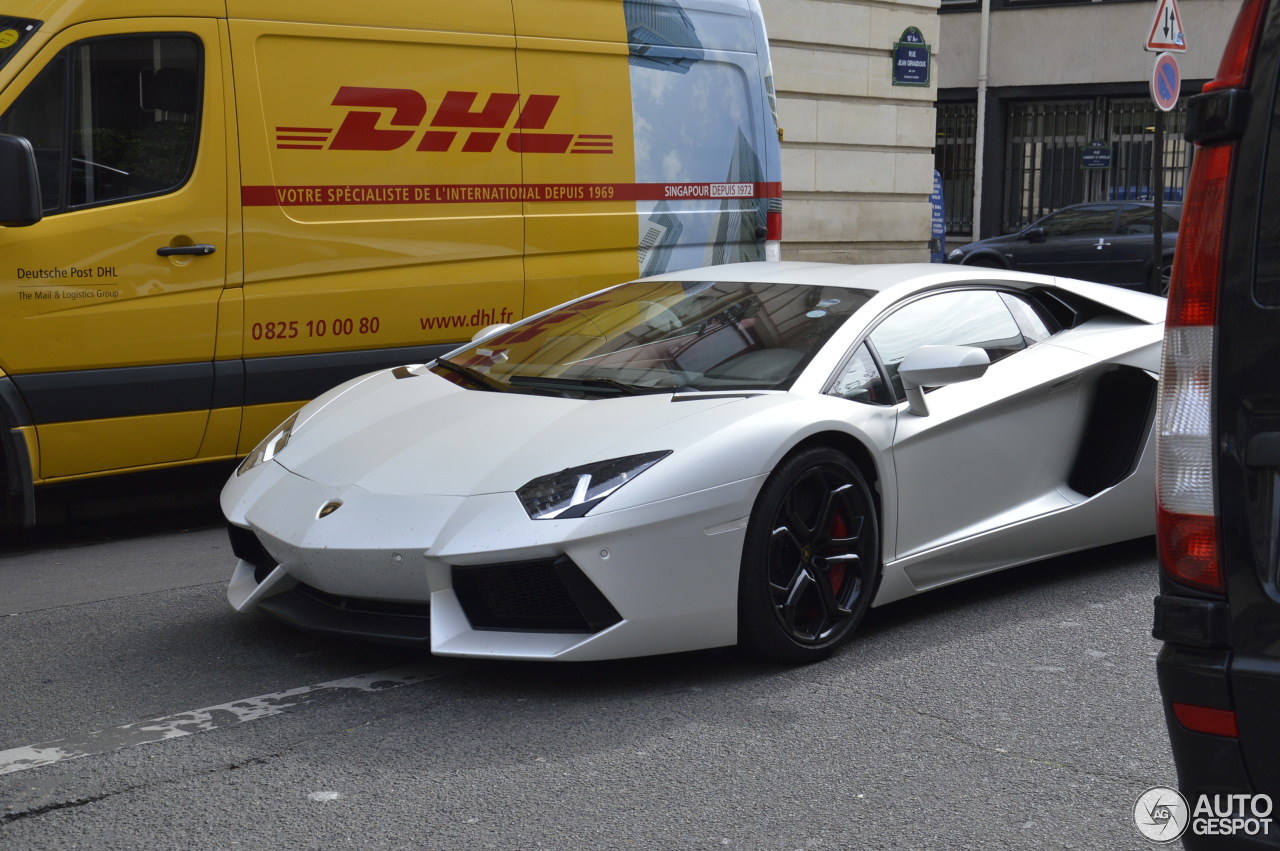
pixel 1088 220
pixel 112 119
pixel 1034 325
pixel 860 380
pixel 976 318
pixel 1141 220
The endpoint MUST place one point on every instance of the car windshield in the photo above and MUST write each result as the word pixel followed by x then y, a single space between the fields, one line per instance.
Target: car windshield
pixel 14 33
pixel 661 337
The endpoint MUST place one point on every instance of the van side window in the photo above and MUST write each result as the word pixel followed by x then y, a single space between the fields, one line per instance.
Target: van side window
pixel 978 318
pixel 112 119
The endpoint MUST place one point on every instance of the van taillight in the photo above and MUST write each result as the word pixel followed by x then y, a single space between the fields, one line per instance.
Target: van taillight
pixel 1187 516
pixel 1187 529
pixel 773 235
pixel 1237 60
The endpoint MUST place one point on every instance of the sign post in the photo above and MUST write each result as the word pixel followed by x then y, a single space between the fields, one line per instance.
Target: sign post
pixel 1165 39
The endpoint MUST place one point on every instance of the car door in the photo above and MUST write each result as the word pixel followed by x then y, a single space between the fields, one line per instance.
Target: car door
pixel 110 343
pixel 1133 247
pixel 991 452
pixel 1077 243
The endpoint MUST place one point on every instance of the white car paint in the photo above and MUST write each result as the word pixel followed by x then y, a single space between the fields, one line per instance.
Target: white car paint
pixel 425 473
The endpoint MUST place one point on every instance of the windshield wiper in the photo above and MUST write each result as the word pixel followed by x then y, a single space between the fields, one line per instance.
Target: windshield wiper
pixel 477 378
pixel 609 385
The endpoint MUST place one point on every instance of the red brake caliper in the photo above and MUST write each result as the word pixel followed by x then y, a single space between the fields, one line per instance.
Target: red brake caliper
pixel 839 529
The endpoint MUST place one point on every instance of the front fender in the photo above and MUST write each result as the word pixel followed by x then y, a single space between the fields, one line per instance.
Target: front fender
pixel 986 258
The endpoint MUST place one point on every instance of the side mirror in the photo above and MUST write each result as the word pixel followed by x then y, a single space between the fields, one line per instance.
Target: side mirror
pixel 937 366
pixel 20 201
pixel 489 331
pixel 1034 234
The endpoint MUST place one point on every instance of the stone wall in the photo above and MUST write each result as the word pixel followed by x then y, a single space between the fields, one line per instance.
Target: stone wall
pixel 857 155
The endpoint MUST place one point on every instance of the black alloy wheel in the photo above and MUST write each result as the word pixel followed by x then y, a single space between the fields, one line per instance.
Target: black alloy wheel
pixel 811 562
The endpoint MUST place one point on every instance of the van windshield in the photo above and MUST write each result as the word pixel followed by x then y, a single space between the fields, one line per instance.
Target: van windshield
pixel 14 33
pixel 661 337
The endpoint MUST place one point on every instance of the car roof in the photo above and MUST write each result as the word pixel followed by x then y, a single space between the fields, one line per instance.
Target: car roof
pixel 906 278
pixel 874 277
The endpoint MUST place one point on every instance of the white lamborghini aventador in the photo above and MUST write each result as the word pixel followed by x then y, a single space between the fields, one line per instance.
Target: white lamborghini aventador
pixel 744 454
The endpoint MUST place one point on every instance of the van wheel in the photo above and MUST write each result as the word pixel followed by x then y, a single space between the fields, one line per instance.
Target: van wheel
pixel 811 562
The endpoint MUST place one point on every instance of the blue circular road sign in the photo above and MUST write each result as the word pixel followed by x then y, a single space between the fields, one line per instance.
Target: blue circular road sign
pixel 1166 81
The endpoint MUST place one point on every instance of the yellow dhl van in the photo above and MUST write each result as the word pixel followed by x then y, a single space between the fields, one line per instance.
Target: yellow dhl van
pixel 208 218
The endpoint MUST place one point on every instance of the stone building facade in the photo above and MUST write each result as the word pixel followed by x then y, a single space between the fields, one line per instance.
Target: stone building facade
pixel 857 150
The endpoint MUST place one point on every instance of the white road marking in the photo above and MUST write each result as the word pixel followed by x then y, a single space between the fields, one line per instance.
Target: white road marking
pixel 203 720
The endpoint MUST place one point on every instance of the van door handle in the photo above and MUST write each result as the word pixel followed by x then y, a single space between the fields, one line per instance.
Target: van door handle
pixel 200 250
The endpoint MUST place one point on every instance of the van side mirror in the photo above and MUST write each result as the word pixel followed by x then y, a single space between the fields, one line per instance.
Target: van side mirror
pixel 937 366
pixel 20 201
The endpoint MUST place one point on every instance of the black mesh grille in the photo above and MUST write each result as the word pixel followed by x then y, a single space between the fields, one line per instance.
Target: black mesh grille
pixel 553 595
pixel 367 607
pixel 1123 405
pixel 246 546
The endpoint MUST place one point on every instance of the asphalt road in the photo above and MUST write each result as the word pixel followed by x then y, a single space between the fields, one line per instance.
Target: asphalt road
pixel 1016 711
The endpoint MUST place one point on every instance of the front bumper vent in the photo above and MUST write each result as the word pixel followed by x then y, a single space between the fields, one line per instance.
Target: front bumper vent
pixel 246 547
pixel 550 595
pixel 383 621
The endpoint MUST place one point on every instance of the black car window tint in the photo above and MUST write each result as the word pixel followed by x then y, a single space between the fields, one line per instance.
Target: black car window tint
pixel 14 33
pixel 976 318
pixel 1135 219
pixel 112 119
pixel 1089 220
pixel 860 380
pixel 39 116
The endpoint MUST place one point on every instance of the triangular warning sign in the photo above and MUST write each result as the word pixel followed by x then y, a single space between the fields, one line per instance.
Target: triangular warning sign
pixel 1166 30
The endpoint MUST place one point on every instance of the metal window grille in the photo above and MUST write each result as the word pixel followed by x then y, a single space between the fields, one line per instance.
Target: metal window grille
pixel 1133 143
pixel 1044 164
pixel 1044 168
pixel 954 154
pixel 1042 161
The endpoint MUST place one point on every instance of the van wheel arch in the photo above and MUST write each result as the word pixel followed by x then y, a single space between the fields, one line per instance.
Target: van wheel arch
pixel 18 507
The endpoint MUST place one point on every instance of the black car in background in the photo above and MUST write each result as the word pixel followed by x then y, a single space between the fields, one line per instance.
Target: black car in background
pixel 1111 242
pixel 1218 452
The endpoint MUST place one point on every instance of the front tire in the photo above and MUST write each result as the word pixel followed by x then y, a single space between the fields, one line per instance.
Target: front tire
pixel 811 562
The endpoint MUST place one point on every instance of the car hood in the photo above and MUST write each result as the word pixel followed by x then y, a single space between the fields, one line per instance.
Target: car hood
pixel 421 434
pixel 991 242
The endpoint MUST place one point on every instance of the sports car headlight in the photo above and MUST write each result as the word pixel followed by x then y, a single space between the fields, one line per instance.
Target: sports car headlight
pixel 574 492
pixel 269 447
pixel 955 252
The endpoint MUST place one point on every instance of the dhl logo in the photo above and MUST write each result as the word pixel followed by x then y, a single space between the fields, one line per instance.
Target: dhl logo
pixel 456 116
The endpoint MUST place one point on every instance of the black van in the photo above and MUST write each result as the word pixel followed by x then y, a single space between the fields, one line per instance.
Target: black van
pixel 1218 453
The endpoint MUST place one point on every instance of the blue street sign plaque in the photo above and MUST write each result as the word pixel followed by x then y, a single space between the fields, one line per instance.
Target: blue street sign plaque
pixel 911 59
pixel 1096 154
